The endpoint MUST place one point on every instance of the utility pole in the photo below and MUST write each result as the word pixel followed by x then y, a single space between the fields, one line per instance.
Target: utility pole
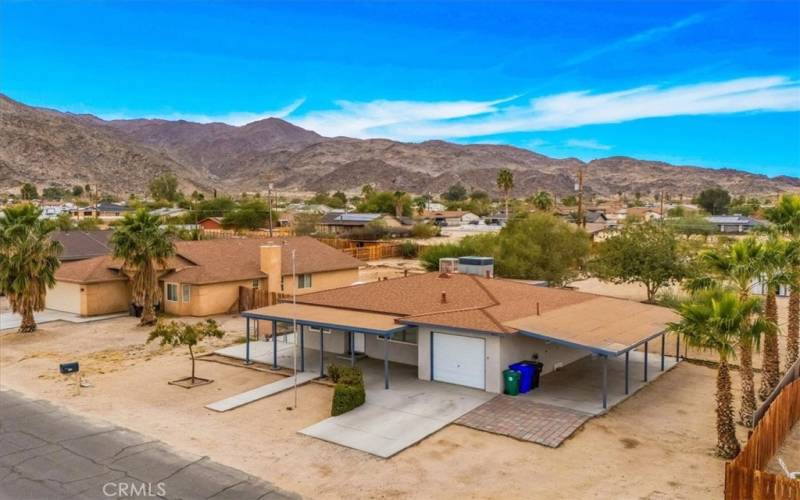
pixel 581 219
pixel 269 207
pixel 662 206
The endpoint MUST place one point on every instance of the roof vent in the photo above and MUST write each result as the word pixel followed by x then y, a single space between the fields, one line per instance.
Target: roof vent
pixel 444 297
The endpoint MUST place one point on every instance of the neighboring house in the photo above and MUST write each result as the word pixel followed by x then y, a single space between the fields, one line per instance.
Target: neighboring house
pixel 449 217
pixel 736 223
pixel 210 223
pixel 598 231
pixel 466 329
pixel 642 213
pixel 433 206
pixel 345 223
pixel 79 245
pixel 205 277
pixel 107 211
pixel 168 212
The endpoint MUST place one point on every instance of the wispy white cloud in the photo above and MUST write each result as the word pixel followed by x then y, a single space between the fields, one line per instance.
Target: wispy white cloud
pixel 586 144
pixel 358 119
pixel 411 120
pixel 637 39
pixel 236 118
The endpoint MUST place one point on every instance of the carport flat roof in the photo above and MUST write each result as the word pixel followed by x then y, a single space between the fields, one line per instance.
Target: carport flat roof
pixel 328 317
pixel 603 325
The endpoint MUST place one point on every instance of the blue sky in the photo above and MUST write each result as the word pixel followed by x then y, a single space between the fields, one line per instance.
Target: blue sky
pixel 714 84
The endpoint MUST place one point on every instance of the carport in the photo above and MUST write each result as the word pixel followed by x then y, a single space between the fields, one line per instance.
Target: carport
pixel 305 316
pixel 605 327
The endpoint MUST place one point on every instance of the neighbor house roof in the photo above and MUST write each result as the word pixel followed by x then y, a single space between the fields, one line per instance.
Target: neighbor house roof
pixel 498 306
pixel 349 219
pixel 447 214
pixel 82 244
pixel 733 219
pixel 220 261
pixel 217 261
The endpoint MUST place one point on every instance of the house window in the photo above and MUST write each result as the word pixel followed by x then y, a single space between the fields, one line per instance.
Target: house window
pixel 187 292
pixel 304 280
pixel 172 292
pixel 256 284
pixel 282 283
pixel 405 337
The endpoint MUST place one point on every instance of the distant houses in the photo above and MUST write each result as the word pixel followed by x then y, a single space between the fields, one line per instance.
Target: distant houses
pixel 736 224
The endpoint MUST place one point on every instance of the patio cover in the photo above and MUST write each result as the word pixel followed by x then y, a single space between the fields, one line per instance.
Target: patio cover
pixel 328 317
pixel 603 325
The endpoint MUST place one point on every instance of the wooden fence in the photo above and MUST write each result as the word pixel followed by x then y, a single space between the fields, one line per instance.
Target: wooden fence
pixel 277 232
pixel 366 250
pixel 253 298
pixel 745 477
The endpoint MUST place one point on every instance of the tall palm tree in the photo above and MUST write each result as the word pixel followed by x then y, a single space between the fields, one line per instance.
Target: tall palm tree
pixel 774 263
pixel 786 217
pixel 718 320
pixel 143 247
pixel 738 265
pixel 28 261
pixel 505 183
pixel 542 201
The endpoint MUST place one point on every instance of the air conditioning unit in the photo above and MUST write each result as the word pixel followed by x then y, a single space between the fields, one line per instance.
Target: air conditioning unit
pixel 448 265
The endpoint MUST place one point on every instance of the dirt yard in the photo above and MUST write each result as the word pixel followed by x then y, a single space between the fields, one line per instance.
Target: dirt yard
pixel 658 444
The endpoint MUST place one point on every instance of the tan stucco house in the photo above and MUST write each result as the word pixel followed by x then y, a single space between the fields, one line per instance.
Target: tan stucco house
pixel 205 277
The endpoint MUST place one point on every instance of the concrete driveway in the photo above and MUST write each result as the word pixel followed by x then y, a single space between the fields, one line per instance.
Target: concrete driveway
pixel 392 420
pixel 50 453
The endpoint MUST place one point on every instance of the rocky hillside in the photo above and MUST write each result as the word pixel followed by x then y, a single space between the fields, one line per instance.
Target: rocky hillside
pixel 44 146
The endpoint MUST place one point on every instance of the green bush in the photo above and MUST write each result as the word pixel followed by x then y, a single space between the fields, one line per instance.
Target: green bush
pixel 408 249
pixel 349 391
pixel 424 230
pixel 346 398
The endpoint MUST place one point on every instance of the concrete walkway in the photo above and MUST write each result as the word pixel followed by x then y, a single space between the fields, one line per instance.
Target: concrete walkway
pixel 50 453
pixel 10 320
pixel 392 420
pixel 261 392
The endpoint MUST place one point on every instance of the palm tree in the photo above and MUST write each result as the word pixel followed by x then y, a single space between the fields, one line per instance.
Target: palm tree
pixel 28 261
pixel 505 183
pixel 719 320
pixel 774 260
pixel 739 265
pixel 542 201
pixel 143 247
pixel 786 217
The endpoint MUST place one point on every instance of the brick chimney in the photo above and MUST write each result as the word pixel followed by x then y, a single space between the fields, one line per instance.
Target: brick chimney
pixel 271 266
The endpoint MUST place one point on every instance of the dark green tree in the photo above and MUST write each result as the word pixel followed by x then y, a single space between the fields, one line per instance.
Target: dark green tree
pixel 165 187
pixel 714 201
pixel 28 192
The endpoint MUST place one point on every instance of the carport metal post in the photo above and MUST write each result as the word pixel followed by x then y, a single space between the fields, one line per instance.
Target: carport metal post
pixel 386 361
pixel 627 358
pixel 663 340
pixel 352 348
pixel 302 348
pixel 247 347
pixel 677 347
pixel 274 345
pixel 321 353
pixel 605 381
pixel 645 361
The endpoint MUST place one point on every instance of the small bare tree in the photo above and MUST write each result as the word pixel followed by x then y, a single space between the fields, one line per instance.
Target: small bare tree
pixel 177 333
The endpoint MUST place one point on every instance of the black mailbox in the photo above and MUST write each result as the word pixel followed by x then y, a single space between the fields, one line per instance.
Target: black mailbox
pixel 67 368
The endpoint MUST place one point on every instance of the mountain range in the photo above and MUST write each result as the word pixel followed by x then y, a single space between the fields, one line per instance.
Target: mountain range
pixel 47 147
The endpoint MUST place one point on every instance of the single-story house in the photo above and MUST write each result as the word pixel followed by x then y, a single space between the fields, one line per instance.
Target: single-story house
pixel 104 210
pixel 465 329
pixel 210 223
pixel 79 245
pixel 346 223
pixel 169 212
pixel 206 277
pixel 736 223
pixel 449 217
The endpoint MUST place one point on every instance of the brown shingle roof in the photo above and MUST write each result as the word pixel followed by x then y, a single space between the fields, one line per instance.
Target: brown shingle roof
pixel 502 307
pixel 82 244
pixel 218 261
pixel 94 270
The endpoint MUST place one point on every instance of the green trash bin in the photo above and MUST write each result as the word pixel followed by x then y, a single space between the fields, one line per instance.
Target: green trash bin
pixel 511 382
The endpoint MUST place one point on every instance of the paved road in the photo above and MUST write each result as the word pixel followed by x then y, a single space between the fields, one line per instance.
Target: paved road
pixel 50 453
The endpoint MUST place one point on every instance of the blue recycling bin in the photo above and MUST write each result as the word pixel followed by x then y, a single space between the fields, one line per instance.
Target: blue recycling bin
pixel 536 366
pixel 526 372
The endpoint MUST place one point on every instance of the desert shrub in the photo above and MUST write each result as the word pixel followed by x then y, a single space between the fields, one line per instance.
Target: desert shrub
pixel 408 249
pixel 346 398
pixel 424 230
pixel 349 391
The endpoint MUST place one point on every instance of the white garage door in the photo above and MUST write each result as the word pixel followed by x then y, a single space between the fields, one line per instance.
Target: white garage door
pixel 459 360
